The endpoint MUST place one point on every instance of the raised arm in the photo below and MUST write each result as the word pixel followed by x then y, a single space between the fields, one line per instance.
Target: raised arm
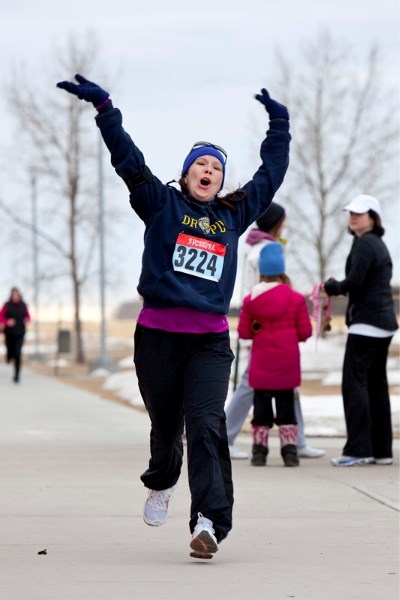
pixel 274 152
pixel 275 148
pixel 126 158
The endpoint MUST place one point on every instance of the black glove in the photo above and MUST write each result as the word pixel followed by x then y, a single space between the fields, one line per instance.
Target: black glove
pixel 331 287
pixel 86 90
pixel 273 108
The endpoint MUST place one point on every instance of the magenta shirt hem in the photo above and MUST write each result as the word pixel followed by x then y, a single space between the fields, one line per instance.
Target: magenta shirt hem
pixel 183 320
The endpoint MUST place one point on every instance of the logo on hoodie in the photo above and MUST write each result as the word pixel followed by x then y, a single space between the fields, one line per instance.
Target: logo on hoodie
pixel 204 225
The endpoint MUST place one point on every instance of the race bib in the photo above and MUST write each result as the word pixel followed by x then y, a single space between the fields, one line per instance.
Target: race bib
pixel 198 257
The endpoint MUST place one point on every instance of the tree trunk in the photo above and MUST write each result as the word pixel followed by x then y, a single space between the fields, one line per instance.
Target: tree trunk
pixel 79 351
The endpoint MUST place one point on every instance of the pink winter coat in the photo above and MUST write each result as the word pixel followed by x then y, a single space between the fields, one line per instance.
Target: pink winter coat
pixel 275 317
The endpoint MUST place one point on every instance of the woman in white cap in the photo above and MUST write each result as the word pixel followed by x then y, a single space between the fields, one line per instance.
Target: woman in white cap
pixel 371 322
pixel 182 346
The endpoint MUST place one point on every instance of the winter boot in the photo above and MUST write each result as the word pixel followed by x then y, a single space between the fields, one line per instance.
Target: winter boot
pixel 260 445
pixel 288 438
pixel 259 455
pixel 289 455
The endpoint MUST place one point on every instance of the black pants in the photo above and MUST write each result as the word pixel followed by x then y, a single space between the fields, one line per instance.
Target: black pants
pixel 284 403
pixel 14 347
pixel 186 376
pixel 366 397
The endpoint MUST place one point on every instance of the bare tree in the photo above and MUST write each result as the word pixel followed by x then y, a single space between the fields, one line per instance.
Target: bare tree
pixel 63 143
pixel 344 140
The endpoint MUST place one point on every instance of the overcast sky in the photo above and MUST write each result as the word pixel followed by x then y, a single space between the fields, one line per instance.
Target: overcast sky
pixel 183 71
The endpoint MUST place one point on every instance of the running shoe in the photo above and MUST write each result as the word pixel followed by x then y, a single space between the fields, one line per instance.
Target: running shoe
pixel 350 461
pixel 310 452
pixel 384 461
pixel 204 543
pixel 155 511
pixel 236 453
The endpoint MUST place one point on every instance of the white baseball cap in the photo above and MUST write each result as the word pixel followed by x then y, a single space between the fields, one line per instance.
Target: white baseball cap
pixel 363 203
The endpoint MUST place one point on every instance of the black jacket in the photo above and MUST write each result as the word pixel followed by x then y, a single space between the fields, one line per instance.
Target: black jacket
pixel 17 311
pixel 367 284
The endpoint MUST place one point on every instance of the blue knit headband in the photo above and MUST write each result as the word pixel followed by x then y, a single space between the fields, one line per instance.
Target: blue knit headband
pixel 202 151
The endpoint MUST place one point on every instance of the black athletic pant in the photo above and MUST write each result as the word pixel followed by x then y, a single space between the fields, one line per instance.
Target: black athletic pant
pixel 14 348
pixel 263 413
pixel 185 377
pixel 366 397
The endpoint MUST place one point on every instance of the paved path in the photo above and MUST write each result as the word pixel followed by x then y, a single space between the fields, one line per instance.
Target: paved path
pixel 69 483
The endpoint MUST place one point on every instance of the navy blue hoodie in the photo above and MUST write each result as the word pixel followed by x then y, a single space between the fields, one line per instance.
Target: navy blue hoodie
pixel 212 228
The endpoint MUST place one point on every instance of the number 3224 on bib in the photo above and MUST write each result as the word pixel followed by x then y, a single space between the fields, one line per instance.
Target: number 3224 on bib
pixel 198 257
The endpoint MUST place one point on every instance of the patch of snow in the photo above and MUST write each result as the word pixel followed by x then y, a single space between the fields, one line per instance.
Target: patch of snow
pixel 126 363
pixel 100 372
pixel 323 415
pixel 59 362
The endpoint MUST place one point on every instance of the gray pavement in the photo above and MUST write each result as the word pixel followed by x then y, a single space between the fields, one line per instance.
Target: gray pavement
pixel 69 483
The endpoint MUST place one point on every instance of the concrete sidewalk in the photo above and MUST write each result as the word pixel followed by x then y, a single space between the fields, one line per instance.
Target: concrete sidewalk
pixel 69 483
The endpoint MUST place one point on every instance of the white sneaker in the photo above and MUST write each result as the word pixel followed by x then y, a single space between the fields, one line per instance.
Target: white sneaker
pixel 155 511
pixel 204 543
pixel 383 461
pixel 350 461
pixel 235 452
pixel 309 452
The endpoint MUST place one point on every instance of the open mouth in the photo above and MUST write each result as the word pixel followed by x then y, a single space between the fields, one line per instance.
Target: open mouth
pixel 205 181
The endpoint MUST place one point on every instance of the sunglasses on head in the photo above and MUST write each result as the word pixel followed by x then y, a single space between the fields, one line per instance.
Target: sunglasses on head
pixel 209 145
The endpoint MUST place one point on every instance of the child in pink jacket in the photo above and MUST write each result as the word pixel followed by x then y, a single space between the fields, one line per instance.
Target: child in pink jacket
pixel 276 318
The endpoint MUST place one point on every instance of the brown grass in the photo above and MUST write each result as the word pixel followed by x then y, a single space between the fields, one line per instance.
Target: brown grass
pixel 79 375
pixel 120 345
